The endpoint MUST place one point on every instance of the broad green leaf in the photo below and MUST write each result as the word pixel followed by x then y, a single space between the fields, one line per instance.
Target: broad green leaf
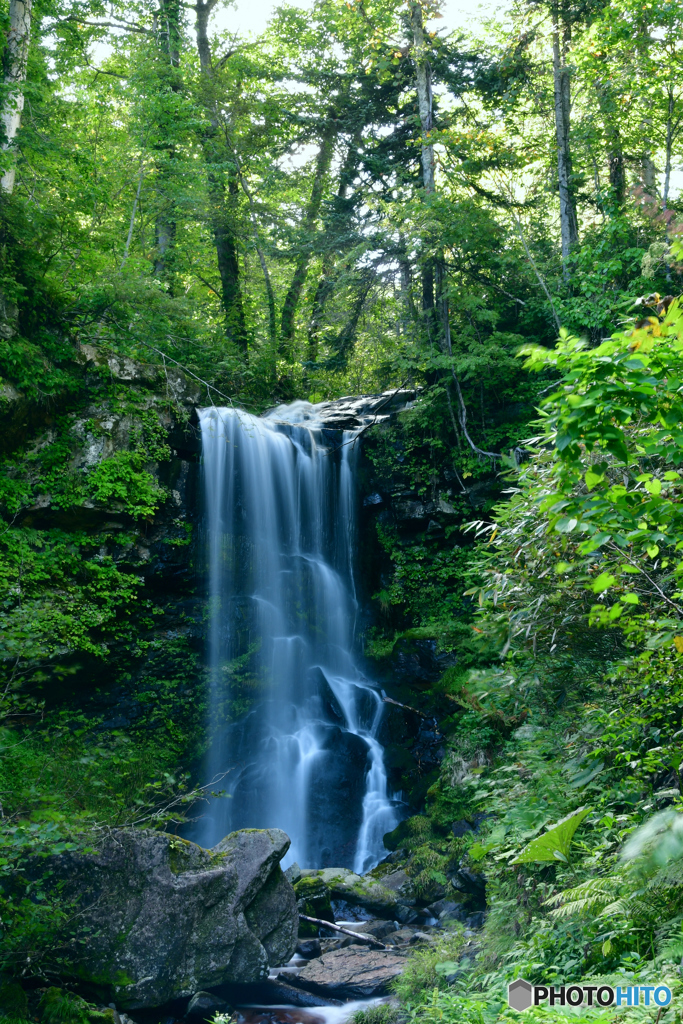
pixel 555 843
pixel 446 967
pixel 603 582
pixel 593 479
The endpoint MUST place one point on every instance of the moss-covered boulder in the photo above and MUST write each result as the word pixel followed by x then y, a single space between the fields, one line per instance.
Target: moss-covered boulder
pixel 161 918
pixel 313 899
pixel 356 890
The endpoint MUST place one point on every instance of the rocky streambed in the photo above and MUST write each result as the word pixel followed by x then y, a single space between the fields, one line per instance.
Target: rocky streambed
pixel 167 931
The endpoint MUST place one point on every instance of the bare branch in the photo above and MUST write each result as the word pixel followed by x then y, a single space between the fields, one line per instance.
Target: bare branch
pixel 345 931
pixel 125 26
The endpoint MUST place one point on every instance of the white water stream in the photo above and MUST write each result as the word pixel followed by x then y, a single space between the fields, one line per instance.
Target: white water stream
pixel 281 539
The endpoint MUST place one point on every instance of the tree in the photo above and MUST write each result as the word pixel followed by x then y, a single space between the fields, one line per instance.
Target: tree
pixel 15 59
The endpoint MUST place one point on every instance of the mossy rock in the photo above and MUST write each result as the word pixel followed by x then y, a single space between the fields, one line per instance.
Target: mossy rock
pixel 409 833
pixel 311 887
pixel 313 899
pixel 13 1001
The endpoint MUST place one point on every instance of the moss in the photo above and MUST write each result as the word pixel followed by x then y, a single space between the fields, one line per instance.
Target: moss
pixel 58 1006
pixel 445 805
pixel 311 887
pixel 408 833
pixel 13 1001
pixel 105 1015
pixel 313 899
pixel 180 855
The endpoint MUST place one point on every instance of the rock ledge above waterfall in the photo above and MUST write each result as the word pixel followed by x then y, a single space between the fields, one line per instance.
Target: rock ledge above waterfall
pixel 350 413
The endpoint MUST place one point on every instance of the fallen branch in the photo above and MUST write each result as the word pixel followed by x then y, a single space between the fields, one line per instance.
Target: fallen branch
pixel 390 700
pixel 345 931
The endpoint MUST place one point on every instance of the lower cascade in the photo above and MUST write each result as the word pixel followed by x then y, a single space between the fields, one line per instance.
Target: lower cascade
pixel 304 756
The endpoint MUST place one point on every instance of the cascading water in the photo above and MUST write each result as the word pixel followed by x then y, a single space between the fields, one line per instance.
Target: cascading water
pixel 305 756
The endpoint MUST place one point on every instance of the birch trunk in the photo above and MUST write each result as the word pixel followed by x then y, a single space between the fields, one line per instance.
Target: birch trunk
pixel 16 56
pixel 569 228
pixel 423 75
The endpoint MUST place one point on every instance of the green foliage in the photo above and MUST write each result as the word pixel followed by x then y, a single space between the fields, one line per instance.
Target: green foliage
pixel 60 1007
pixel 383 1013
pixel 555 842
pixel 13 1001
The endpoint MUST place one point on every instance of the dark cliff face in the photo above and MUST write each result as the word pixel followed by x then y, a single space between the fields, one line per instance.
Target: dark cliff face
pixel 414 554
pixel 101 496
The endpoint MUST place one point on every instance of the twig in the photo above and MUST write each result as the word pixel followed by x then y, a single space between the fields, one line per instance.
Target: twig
pixel 535 269
pixel 647 576
pixel 462 410
pixel 209 286
pixel 345 931
pixel 390 700
pixel 125 26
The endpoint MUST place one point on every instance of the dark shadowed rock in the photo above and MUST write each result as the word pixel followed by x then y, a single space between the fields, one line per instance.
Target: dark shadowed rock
pixel 273 992
pixel 352 973
pixel 309 948
pixel 164 918
pixel 461 828
pixel 205 1004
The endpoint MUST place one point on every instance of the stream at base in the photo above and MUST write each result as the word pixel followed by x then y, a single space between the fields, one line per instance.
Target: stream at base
pixel 297 1015
pixel 304 755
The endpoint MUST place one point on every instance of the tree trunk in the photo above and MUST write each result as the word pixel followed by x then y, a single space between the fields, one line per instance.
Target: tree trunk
pixel 568 223
pixel 669 148
pixel 16 56
pixel 649 174
pixel 165 227
pixel 222 216
pixel 615 153
pixel 272 318
pixel 325 285
pixel 423 77
pixel 347 338
pixel 322 166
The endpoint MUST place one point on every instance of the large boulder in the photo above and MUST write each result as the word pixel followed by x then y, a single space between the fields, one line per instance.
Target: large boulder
pixel 161 918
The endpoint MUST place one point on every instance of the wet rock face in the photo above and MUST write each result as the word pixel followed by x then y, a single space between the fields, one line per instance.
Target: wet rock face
pixel 161 918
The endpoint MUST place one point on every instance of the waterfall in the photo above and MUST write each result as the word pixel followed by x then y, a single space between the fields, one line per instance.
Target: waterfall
pixel 303 755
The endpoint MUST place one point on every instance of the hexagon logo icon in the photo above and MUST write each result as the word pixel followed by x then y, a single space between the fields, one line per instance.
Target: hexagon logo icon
pixel 520 995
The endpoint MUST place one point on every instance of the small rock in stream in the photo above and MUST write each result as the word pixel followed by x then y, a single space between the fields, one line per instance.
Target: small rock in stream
pixel 308 948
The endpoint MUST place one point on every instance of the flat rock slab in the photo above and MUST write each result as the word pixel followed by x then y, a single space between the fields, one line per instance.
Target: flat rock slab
pixel 351 973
